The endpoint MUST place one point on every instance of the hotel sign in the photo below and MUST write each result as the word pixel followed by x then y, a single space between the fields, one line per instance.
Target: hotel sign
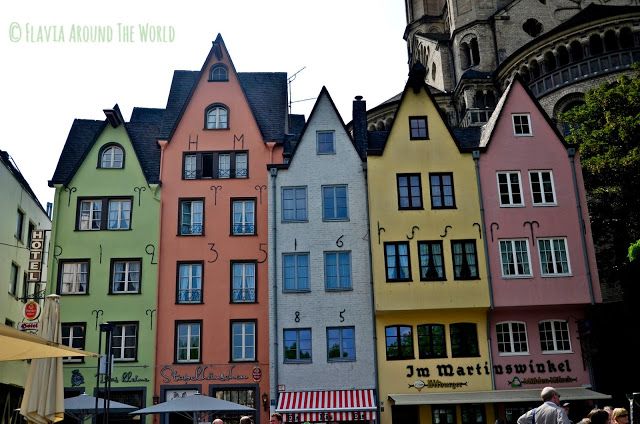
pixel 36 250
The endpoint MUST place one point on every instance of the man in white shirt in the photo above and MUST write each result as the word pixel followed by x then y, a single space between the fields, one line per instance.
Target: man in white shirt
pixel 550 412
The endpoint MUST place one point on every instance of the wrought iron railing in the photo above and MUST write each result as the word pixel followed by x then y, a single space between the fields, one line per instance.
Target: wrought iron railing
pixel 190 296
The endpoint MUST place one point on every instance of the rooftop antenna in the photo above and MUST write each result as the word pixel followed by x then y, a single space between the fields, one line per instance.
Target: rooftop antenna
pixel 289 81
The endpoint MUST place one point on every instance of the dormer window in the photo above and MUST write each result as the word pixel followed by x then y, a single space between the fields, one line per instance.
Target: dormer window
pixel 216 117
pixel 521 124
pixel 112 156
pixel 219 73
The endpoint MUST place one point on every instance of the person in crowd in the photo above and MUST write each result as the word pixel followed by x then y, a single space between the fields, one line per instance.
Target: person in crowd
pixel 275 418
pixel 550 412
pixel 566 406
pixel 598 416
pixel 246 420
pixel 217 421
pixel 619 416
pixel 609 410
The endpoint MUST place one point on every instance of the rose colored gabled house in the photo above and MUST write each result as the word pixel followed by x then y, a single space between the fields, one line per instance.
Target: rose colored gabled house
pixel 541 255
pixel 221 129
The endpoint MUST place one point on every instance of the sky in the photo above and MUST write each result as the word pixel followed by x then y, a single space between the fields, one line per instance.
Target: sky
pixel 53 72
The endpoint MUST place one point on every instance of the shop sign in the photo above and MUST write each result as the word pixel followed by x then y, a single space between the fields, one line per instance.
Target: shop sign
pixel 437 384
pixel 169 374
pixel 257 374
pixel 533 368
pixel 36 250
pixel 127 377
pixel 31 310
pixel 519 382
pixel 448 370
pixel 323 417
pixel 31 327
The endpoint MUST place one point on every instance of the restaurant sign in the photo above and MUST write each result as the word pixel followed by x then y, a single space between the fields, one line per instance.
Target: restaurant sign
pixel 170 374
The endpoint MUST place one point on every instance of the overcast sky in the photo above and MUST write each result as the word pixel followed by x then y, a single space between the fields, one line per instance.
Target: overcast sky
pixel 51 73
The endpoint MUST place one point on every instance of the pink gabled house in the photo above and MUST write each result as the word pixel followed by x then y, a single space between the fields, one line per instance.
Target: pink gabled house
pixel 541 254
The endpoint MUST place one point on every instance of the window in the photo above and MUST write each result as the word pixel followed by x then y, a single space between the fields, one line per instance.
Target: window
pixel 512 338
pixel 91 218
pixel 325 142
pixel 553 256
pixel 341 344
pixel 465 260
pixel 243 341
pixel 443 414
pixel 294 204
pixel 296 271
pixel 521 124
pixel 397 261
pixel 243 276
pixel 542 190
pixel 73 335
pixel 191 217
pixel 464 340
pixel 217 116
pixel 242 396
pixel 218 73
pixel 74 277
pixel 510 189
pixel 472 414
pixel 244 220
pixel 19 225
pixel 431 261
pixel 190 282
pixel 409 191
pixel 442 196
pixel 554 336
pixel 124 341
pixel 418 128
pixel 188 341
pixel 215 165
pixel 125 276
pixel 399 342
pixel 30 229
pixel 13 279
pixel 337 270
pixel 334 203
pixel 514 257
pixel 112 156
pixel 431 341
pixel 297 345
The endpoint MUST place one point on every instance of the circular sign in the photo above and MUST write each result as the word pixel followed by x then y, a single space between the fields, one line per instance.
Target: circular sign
pixel 257 374
pixel 31 310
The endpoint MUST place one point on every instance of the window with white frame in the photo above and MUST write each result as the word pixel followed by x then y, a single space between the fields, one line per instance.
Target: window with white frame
pixel 188 341
pixel 510 189
pixel 189 282
pixel 554 259
pixel 514 257
pixel 295 271
pixel 554 336
pixel 341 344
pixel 294 204
pixel 244 218
pixel 326 142
pixel 218 73
pixel 124 341
pixel 542 189
pixel 191 217
pixel 337 270
pixel 112 156
pixel 334 203
pixel 217 117
pixel 243 341
pixel 190 167
pixel 521 124
pixel 243 277
pixel 73 335
pixel 119 214
pixel 512 337
pixel 74 277
pixel 125 276
pixel 91 216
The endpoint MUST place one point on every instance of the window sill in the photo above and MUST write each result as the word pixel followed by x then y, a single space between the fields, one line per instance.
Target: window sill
pixel 417 208
pixel 242 361
pixel 338 289
pixel 544 205
pixel 435 280
pixel 189 303
pixel 335 219
pixel 512 206
pixel 556 275
pixel 337 361
pixel 556 352
pixel 187 362
pixel 292 361
pixel 253 302
pixel 408 358
pixel 400 281
pixel 296 291
pixel 294 221
pixel 122 293
pixel 242 235
pixel 513 354
pixel 517 277
pixel 189 235
pixel 216 129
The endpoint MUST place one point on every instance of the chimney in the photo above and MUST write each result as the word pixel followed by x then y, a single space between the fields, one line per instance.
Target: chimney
pixel 360 126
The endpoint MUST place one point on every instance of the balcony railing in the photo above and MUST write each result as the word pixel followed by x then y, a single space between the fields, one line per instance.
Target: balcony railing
pixel 244 295
pixel 191 229
pixel 475 117
pixel 190 296
pixel 243 228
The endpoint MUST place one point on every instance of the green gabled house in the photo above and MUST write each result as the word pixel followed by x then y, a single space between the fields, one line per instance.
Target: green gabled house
pixel 103 259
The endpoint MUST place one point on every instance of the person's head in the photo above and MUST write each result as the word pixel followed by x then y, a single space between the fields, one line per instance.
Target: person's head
pixel 217 421
pixel 275 419
pixel 549 394
pixel 565 406
pixel 246 420
pixel 598 416
pixel 620 416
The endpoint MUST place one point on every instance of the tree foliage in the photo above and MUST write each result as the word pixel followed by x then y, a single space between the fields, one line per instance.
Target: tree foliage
pixel 607 130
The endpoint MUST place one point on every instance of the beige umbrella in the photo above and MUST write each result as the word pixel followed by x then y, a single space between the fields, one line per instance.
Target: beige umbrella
pixel 16 345
pixel 43 399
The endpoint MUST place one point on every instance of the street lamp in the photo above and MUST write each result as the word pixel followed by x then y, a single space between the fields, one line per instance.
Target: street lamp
pixel 631 397
pixel 106 328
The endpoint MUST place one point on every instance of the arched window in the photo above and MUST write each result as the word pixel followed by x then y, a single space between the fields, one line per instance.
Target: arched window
pixel 112 156
pixel 563 56
pixel 218 73
pixel 475 51
pixel 549 62
pixel 576 51
pixel 216 117
pixel 465 56
pixel 610 41
pixel 595 45
pixel 626 38
pixel 535 69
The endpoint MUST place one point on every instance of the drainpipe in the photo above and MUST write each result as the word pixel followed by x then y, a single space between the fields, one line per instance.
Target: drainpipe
pixel 163 145
pixel 583 228
pixel 485 244
pixel 273 171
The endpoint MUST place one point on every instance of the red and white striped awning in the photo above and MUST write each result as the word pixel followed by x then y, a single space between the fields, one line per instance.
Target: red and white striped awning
pixel 327 406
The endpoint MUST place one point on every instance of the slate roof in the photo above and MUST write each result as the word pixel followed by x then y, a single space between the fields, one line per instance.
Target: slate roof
pixel 468 137
pixel 145 114
pixel 266 93
pixel 473 74
pixel 296 124
pixel 143 136
pixel 8 161
pixel 376 141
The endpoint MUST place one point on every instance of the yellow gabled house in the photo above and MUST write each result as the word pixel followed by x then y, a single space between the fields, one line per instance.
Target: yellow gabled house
pixel 429 268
